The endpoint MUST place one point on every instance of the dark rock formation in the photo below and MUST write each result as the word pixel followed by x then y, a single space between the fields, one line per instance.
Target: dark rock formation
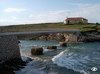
pixel 37 51
pixel 64 44
pixel 52 47
pixel 8 67
pixel 90 37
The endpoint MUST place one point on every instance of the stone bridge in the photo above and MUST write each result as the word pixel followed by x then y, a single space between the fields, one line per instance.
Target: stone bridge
pixel 9 48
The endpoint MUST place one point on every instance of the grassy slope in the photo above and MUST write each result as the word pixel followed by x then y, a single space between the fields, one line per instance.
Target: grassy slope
pixel 48 26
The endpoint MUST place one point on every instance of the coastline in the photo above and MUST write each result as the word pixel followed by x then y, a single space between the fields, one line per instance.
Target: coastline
pixel 61 37
pixel 70 37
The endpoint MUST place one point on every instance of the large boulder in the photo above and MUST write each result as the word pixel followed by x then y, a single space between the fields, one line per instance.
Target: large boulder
pixel 37 51
pixel 64 44
pixel 52 47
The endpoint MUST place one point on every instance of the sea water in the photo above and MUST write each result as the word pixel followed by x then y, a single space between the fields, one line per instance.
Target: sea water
pixel 83 58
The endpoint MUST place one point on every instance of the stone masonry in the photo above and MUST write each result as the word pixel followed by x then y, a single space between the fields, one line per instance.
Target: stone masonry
pixel 9 48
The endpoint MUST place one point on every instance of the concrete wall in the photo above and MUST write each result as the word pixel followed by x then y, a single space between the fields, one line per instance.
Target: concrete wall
pixel 9 48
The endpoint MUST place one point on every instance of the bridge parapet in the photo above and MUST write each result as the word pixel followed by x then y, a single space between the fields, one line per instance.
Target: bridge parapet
pixel 39 32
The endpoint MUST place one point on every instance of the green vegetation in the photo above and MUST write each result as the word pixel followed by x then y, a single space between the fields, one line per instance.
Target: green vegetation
pixel 90 28
pixel 49 26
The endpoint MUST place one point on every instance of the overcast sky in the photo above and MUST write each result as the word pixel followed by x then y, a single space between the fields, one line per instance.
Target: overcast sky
pixel 40 11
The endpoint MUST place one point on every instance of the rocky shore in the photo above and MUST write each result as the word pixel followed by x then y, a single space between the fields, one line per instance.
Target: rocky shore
pixel 8 67
pixel 70 37
pixel 91 36
pixel 61 37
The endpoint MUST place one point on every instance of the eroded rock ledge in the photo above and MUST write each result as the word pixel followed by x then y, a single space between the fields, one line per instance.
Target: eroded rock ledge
pixel 70 37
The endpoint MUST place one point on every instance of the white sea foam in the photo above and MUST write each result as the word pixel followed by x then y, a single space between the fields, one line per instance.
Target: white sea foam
pixel 34 67
pixel 71 61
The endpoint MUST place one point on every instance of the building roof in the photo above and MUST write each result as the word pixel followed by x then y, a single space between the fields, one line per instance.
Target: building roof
pixel 75 18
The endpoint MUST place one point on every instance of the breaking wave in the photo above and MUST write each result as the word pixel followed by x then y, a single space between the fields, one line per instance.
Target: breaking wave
pixel 78 60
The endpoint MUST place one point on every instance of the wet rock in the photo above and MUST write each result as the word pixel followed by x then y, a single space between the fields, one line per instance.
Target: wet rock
pixel 37 51
pixel 27 59
pixel 64 44
pixel 8 67
pixel 52 47
pixel 18 41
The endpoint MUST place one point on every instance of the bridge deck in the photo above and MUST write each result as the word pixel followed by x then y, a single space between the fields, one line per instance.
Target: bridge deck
pixel 39 32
